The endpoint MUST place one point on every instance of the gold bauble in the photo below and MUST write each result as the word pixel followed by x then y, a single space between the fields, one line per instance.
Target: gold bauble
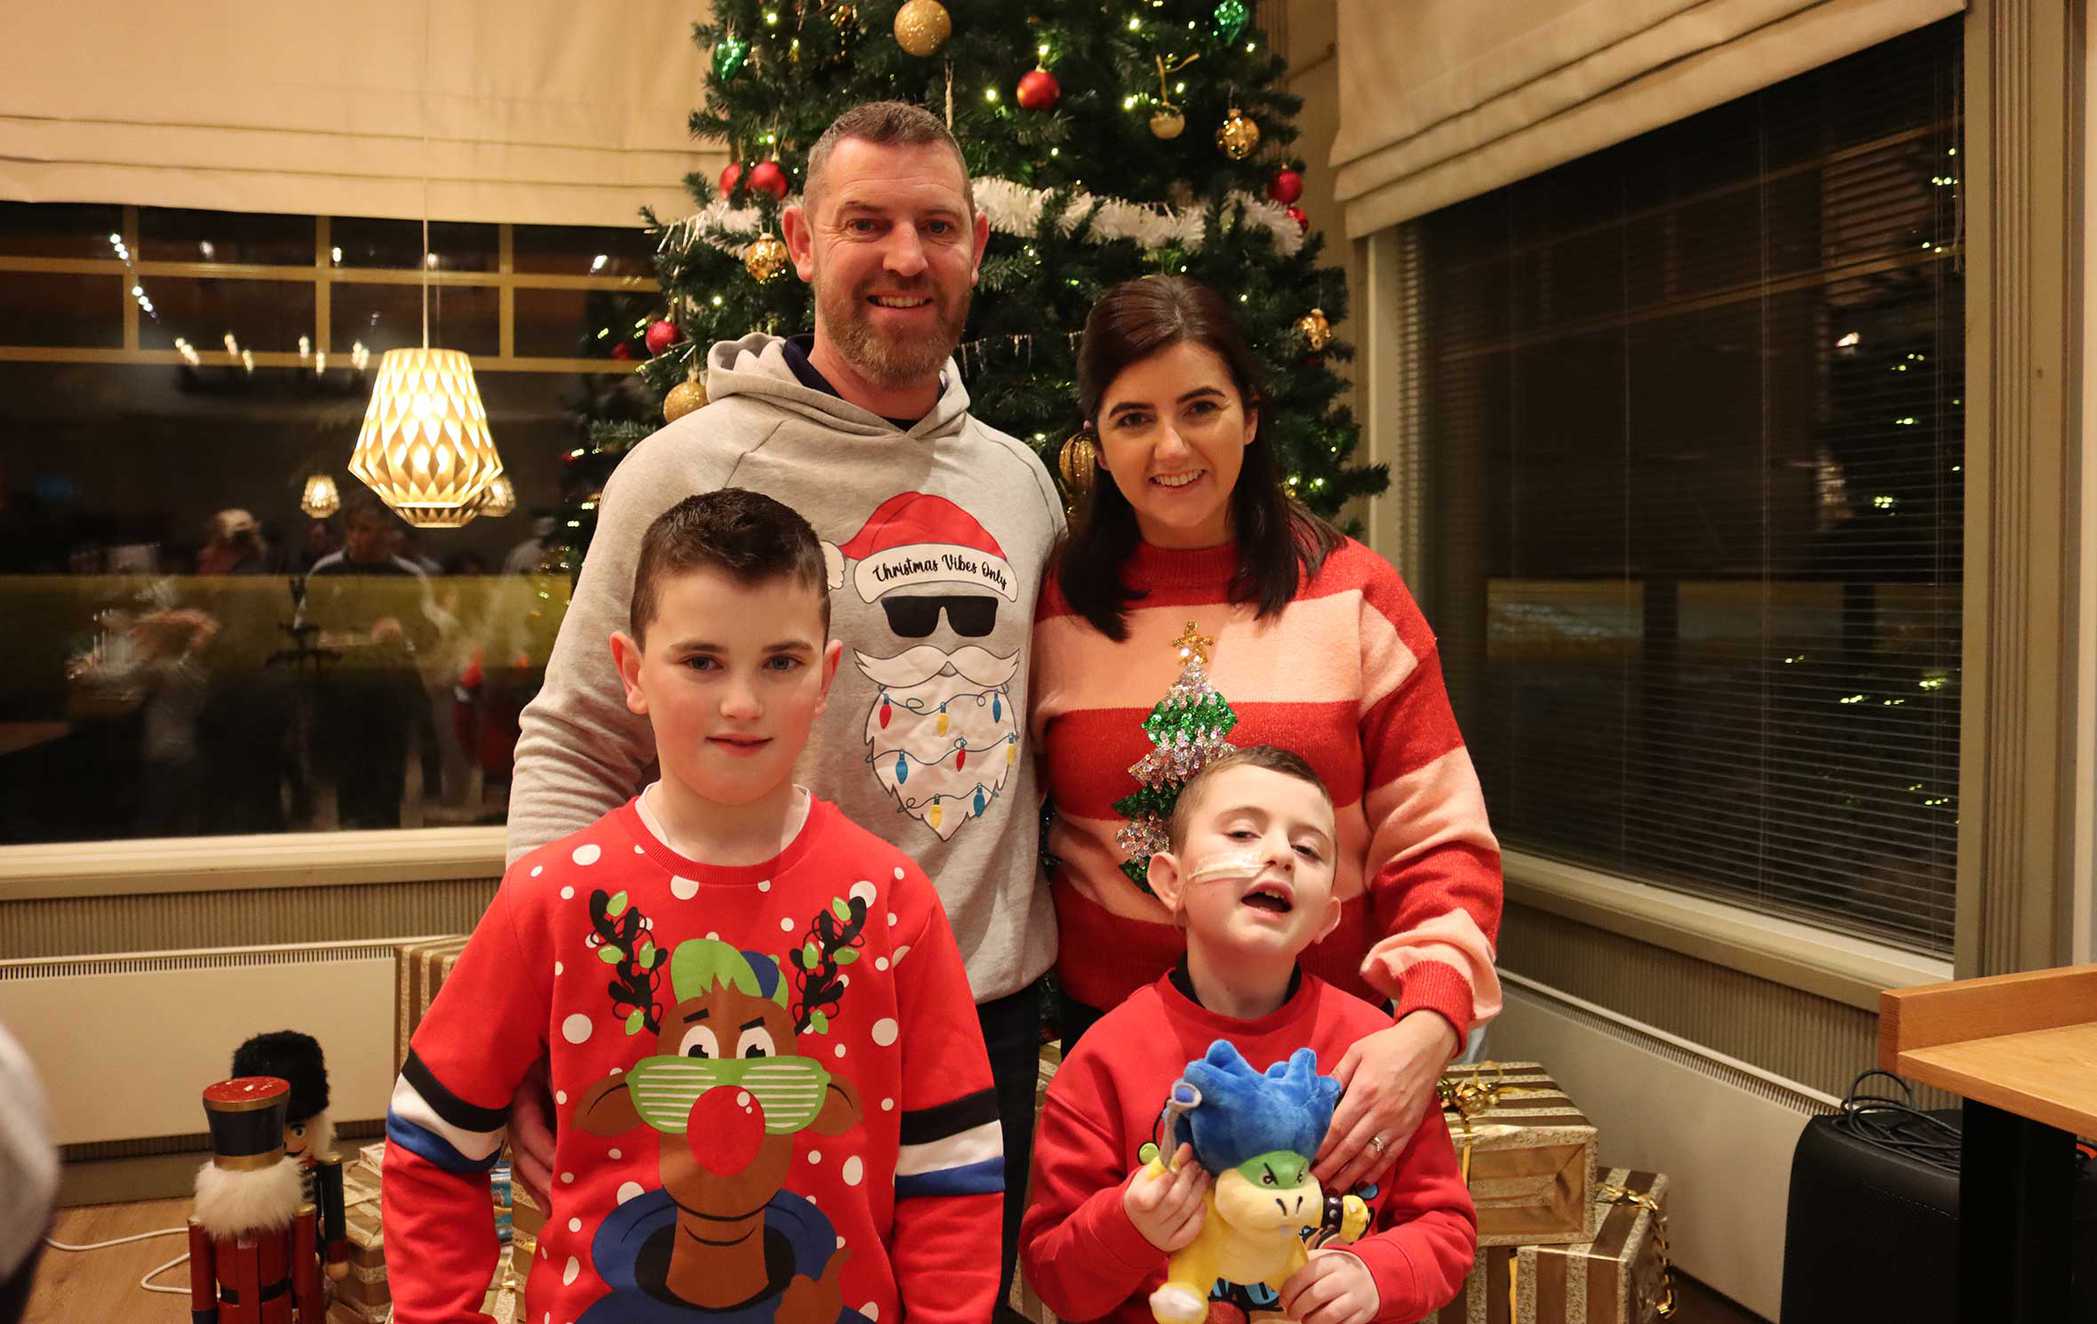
pixel 765 257
pixel 683 399
pixel 1078 461
pixel 922 27
pixel 1317 332
pixel 1239 137
pixel 1168 124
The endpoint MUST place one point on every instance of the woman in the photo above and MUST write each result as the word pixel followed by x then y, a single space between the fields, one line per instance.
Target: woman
pixel 1317 647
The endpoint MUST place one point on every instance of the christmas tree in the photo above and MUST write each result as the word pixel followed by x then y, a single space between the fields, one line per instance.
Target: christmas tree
pixel 1187 728
pixel 1103 142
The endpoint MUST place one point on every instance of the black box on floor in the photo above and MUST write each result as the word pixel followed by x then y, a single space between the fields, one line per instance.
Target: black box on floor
pixel 1873 1234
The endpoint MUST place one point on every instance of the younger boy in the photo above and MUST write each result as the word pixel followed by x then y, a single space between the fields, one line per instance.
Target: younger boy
pixel 1249 877
pixel 772 1101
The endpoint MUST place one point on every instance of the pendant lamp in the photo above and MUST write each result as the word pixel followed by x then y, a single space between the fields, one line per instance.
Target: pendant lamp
pixel 425 447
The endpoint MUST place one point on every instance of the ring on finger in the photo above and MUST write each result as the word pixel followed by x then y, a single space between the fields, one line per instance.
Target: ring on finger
pixel 1377 1142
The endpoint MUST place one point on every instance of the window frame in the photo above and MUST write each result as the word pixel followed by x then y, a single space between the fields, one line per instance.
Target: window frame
pixel 134 866
pixel 506 280
pixel 2024 852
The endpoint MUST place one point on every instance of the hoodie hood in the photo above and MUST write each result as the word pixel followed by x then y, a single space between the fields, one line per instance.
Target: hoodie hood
pixel 756 366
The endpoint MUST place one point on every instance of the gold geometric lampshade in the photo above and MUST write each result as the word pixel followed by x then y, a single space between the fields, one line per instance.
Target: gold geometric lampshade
pixel 425 447
pixel 498 498
pixel 320 498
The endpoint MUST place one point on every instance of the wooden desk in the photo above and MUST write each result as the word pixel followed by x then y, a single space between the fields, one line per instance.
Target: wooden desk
pixel 2022 1051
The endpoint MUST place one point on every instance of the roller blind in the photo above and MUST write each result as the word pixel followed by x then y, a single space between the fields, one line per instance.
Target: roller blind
pixel 533 111
pixel 1442 100
pixel 1691 443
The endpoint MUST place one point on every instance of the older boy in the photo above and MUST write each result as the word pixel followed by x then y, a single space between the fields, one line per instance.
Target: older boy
pixel 771 1096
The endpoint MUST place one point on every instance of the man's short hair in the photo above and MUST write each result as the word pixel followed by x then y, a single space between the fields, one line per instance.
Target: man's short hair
pixel 1271 757
pixel 745 535
pixel 363 506
pixel 886 123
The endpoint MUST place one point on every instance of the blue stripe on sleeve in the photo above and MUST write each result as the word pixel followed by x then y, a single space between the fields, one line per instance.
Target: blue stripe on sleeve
pixel 983 1178
pixel 430 1146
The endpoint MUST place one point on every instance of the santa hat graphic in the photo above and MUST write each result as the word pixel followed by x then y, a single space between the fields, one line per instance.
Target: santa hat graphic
pixel 914 541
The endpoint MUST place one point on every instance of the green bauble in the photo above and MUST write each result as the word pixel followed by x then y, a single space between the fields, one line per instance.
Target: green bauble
pixel 730 53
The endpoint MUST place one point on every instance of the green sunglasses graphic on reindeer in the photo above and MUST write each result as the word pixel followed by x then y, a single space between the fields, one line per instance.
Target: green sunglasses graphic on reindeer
pixel 666 1085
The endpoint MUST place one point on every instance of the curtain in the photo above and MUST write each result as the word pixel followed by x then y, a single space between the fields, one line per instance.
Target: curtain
pixel 525 110
pixel 1442 100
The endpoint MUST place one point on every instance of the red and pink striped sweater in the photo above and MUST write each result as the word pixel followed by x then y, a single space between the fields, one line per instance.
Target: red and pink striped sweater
pixel 1346 676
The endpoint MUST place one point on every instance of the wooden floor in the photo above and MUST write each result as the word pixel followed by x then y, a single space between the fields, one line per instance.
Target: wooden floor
pixel 103 1284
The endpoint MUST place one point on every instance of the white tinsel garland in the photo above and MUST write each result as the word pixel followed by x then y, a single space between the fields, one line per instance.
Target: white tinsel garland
pixel 1015 209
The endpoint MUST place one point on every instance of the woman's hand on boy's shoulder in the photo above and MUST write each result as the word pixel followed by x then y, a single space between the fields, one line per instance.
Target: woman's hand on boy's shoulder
pixel 1388 1078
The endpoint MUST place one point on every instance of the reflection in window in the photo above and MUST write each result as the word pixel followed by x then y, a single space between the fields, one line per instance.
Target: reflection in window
pixel 169 234
pixel 585 324
pixel 189 652
pixel 68 230
pixel 583 250
pixel 1694 426
pixel 383 317
pixel 362 241
pixel 151 547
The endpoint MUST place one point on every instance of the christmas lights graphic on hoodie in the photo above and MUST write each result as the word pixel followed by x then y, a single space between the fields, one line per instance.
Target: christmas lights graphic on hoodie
pixel 942 736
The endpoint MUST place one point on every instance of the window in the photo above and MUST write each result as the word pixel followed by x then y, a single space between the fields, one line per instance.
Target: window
pixel 1690 449
pixel 171 379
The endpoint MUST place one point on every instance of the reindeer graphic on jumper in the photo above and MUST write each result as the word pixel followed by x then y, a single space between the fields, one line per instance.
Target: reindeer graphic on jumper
pixel 723 1239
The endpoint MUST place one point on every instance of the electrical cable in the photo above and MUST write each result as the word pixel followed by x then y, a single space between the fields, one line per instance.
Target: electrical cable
pixel 146 1282
pixel 1896 1124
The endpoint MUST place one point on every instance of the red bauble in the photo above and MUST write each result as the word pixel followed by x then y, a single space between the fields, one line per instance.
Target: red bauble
pixel 731 174
pixel 662 333
pixel 1303 222
pixel 767 177
pixel 622 351
pixel 1038 90
pixel 1286 186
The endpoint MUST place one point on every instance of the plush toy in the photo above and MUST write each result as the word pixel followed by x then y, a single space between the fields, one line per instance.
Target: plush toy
pixel 309 1137
pixel 1256 1134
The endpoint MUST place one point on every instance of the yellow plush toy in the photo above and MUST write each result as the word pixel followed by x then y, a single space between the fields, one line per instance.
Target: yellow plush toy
pixel 1255 1133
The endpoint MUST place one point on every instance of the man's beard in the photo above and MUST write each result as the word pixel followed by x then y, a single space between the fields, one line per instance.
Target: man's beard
pixel 848 325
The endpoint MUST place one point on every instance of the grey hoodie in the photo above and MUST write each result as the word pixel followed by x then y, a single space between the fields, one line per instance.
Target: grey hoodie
pixel 936 540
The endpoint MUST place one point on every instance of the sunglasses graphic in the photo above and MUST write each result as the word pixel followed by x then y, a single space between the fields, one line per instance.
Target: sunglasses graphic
pixel 971 614
pixel 790 1088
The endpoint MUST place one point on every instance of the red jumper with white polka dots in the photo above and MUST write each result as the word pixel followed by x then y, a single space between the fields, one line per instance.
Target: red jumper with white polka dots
pixel 771 1097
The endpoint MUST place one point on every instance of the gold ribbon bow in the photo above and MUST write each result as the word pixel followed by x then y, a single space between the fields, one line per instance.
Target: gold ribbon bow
pixel 1608 1193
pixel 1465 1097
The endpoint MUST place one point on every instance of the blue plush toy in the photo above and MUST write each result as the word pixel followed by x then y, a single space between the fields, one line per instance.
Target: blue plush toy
pixel 1256 1133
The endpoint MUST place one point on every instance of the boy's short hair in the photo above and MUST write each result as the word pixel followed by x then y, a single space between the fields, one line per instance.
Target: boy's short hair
pixel 1271 757
pixel 743 534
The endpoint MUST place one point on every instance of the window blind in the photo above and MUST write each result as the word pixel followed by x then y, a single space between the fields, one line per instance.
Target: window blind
pixel 1688 436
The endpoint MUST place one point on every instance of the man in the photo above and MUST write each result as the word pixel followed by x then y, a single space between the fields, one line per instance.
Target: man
pixel 376 608
pixel 936 532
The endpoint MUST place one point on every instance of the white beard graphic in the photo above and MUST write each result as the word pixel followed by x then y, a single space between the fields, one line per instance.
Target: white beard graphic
pixel 938 741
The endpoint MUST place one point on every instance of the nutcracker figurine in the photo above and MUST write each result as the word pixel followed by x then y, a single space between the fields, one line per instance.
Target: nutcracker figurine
pixel 309 1136
pixel 253 1241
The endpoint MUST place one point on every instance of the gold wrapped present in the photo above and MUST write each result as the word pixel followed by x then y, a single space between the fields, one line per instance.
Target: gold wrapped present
pixel 1527 1153
pixel 1023 1299
pixel 526 1220
pixel 1619 1275
pixel 419 969
pixel 367 1239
